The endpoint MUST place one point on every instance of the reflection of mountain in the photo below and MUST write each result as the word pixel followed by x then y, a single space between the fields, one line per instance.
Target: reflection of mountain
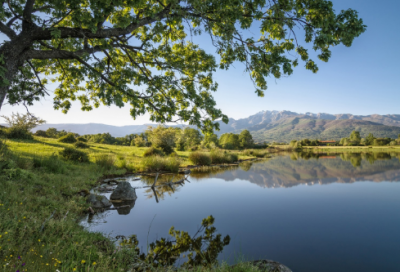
pixel 284 171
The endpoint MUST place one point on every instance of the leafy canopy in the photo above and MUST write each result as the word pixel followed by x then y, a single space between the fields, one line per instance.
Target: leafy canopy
pixel 141 52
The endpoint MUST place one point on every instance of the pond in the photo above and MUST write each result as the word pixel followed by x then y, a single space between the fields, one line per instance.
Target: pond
pixel 311 212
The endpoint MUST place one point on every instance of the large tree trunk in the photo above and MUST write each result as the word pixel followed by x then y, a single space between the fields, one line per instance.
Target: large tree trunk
pixel 12 53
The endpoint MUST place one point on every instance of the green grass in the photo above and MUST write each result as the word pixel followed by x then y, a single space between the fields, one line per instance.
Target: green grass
pixel 40 206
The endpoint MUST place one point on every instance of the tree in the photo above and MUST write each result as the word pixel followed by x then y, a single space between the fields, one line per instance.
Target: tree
pixel 355 137
pixel 210 140
pixel 23 121
pixel 162 137
pixel 187 138
pixel 229 141
pixel 139 52
pixel 369 140
pixel 245 139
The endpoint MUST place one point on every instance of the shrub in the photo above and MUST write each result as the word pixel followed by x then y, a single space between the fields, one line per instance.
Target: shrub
pixel 193 148
pixel 51 164
pixel 139 142
pixel 18 133
pixel 157 163
pixel 218 157
pixel 200 158
pixel 82 139
pixel 72 154
pixel 80 144
pixel 41 133
pixel 105 160
pixel 120 163
pixel 153 152
pixel 231 157
pixel 69 138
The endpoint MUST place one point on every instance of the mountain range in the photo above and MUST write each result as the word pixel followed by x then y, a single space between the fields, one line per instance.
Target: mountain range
pixel 273 126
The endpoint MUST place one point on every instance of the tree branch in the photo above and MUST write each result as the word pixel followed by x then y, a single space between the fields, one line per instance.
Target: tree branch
pixel 8 31
pixel 27 14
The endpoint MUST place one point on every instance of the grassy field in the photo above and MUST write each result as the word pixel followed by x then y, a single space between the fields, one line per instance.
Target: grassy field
pixel 40 206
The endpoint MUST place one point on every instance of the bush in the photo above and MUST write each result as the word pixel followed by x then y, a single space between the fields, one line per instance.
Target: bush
pixel 82 139
pixel 72 154
pixel 157 163
pixel 217 157
pixel 51 164
pixel 80 144
pixel 18 133
pixel 41 133
pixel 153 152
pixel 200 158
pixel 105 160
pixel 139 142
pixel 69 138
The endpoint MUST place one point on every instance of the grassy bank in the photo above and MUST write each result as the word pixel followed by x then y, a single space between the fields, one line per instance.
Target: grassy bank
pixel 352 148
pixel 41 202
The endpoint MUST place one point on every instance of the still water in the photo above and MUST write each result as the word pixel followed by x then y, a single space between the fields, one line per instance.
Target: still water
pixel 310 212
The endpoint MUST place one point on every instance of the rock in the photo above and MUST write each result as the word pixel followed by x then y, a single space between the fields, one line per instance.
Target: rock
pixel 268 265
pixel 124 192
pixel 124 207
pixel 98 201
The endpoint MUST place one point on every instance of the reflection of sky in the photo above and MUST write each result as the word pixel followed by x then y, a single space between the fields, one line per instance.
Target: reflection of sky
pixel 338 227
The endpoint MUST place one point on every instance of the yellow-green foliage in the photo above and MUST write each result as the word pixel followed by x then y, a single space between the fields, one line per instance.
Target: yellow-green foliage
pixel 219 156
pixel 80 144
pixel 152 151
pixel 157 163
pixel 200 158
pixel 104 160
pixel 69 138
pixel 72 154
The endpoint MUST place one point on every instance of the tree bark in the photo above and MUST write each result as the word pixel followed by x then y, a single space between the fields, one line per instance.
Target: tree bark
pixel 13 57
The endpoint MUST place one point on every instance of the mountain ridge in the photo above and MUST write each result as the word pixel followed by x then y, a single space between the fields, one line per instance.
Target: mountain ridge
pixel 272 126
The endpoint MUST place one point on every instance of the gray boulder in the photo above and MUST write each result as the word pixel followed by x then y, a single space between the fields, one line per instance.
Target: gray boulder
pixel 124 192
pixel 98 201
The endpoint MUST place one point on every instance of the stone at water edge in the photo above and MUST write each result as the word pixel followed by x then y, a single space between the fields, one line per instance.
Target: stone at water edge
pixel 124 191
pixel 98 201
pixel 269 266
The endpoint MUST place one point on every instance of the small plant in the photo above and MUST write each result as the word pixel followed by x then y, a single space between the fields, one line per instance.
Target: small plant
pixel 105 161
pixel 200 158
pixel 80 144
pixel 81 139
pixel 157 163
pixel 69 138
pixel 41 133
pixel 218 157
pixel 153 152
pixel 72 154
pixel 51 164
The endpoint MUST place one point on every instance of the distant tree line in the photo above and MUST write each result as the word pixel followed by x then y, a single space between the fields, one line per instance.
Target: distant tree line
pixel 165 138
pixel 354 139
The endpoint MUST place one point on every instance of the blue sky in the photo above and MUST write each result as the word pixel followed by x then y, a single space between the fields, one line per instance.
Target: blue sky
pixel 362 79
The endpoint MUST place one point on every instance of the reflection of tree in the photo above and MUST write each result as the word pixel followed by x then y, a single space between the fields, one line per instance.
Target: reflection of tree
pixel 159 191
pixel 246 166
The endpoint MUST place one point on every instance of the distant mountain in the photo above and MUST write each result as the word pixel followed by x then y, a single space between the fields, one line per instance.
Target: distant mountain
pixel 274 126
pixel 287 125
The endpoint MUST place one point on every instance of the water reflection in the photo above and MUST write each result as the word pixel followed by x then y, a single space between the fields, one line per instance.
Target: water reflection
pixel 168 188
pixel 311 168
